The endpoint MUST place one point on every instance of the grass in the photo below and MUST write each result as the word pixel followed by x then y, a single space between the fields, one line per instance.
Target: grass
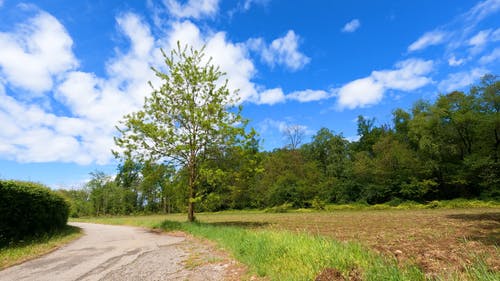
pixel 281 255
pixel 31 248
pixel 441 243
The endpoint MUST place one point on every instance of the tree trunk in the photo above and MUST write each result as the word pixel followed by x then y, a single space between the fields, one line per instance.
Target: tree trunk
pixel 192 193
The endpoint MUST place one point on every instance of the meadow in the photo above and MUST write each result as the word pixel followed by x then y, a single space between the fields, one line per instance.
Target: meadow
pixel 404 244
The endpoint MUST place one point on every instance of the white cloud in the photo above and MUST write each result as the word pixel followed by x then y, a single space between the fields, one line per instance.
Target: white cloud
pixel 480 38
pixel 458 33
pixel 193 8
pixel 426 40
pixel 453 61
pixel 351 26
pixel 409 75
pixel 481 10
pixel 96 103
pixel 231 57
pixel 282 51
pixel 496 35
pixel 494 56
pixel 459 80
pixel 360 93
pixel 271 96
pixel 30 134
pixel 35 53
pixel 249 3
pixel 282 126
pixel 478 41
pixel 308 95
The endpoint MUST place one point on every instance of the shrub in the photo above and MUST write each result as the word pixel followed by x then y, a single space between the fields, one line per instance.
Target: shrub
pixel 283 208
pixel 29 209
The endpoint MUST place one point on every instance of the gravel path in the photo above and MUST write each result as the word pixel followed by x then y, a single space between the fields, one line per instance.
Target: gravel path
pixel 110 253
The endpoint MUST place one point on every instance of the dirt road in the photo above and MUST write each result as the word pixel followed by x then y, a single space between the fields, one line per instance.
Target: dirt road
pixel 108 252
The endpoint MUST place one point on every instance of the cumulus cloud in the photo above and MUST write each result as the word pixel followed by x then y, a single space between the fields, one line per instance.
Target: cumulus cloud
pixel 408 75
pixel 459 80
pixel 426 40
pixel 95 103
pixel 35 52
pixel 308 95
pixel 271 96
pixel 360 93
pixel 29 134
pixel 282 51
pixel 351 26
pixel 231 57
pixel 192 8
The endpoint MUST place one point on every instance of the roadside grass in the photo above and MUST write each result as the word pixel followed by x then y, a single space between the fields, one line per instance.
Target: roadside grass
pixel 282 255
pixel 31 248
pixel 442 243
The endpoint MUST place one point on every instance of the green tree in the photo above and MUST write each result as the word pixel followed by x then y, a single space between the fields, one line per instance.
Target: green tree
pixel 128 178
pixel 105 196
pixel 189 117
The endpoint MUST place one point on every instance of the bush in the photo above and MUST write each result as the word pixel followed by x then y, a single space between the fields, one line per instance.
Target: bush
pixel 29 209
pixel 283 208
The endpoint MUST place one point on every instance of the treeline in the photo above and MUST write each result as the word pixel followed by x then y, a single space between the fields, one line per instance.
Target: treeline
pixel 437 150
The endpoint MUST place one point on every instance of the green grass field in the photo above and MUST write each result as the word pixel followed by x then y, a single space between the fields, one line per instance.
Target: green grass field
pixel 415 244
pixel 32 248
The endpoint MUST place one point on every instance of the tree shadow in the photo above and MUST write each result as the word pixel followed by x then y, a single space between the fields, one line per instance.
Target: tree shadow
pixel 486 228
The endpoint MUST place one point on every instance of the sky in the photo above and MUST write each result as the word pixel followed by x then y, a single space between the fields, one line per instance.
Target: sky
pixel 70 70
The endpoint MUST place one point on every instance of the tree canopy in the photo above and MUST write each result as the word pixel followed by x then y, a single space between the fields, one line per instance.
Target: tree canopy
pixel 189 134
pixel 187 119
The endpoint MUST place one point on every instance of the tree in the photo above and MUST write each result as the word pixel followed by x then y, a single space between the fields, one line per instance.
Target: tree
pixel 188 118
pixel 295 135
pixel 128 178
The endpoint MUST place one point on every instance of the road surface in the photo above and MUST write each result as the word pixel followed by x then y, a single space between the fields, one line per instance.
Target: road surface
pixel 109 252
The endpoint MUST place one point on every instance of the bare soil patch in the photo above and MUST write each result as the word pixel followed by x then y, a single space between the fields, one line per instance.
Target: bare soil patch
pixel 440 242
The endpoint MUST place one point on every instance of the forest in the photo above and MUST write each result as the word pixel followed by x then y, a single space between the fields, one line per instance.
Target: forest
pixel 444 149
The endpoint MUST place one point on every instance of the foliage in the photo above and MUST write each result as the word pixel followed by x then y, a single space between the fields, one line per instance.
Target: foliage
pixel 186 120
pixel 29 209
pixel 437 150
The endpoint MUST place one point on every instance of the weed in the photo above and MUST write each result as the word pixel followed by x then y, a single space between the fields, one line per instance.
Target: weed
pixel 27 249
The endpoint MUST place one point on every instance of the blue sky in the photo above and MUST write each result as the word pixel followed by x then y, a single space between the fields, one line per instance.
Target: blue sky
pixel 69 70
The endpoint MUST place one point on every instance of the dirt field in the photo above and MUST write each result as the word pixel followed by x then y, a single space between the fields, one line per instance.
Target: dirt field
pixel 439 241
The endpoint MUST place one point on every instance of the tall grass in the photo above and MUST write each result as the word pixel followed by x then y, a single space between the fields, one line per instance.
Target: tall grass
pixel 281 255
pixel 30 248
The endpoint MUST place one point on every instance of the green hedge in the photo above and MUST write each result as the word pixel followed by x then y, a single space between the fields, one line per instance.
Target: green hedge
pixel 29 209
